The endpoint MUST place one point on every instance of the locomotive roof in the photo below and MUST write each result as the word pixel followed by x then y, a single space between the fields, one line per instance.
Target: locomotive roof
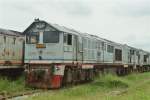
pixel 69 30
pixel 65 29
pixel 72 31
pixel 10 32
pixel 55 26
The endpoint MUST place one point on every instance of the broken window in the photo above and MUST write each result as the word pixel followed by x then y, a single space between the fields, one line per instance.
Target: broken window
pixel 32 38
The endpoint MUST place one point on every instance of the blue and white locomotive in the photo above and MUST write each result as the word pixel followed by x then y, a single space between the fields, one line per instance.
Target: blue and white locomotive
pixel 56 55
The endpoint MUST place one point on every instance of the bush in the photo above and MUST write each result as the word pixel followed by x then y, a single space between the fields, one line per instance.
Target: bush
pixel 111 81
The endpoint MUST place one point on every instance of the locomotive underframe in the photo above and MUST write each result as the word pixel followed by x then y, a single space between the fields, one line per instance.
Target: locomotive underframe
pixel 56 75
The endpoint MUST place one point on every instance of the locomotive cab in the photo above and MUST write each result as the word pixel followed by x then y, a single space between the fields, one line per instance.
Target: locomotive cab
pixel 43 49
pixel 43 42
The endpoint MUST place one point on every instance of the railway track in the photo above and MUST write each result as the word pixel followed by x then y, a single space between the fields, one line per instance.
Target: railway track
pixel 5 96
pixel 26 94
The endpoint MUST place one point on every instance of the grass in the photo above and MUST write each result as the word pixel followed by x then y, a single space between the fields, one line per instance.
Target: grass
pixel 11 87
pixel 108 87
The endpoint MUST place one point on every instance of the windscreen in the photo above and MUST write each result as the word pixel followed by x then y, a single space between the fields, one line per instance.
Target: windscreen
pixel 51 37
pixel 32 38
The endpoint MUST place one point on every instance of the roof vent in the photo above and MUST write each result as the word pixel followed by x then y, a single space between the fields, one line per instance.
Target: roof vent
pixel 36 19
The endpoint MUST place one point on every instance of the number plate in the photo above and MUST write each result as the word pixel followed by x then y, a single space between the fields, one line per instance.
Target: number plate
pixel 40 46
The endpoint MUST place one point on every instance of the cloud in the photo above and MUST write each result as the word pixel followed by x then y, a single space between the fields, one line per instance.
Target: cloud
pixel 28 7
pixel 70 7
pixel 76 8
pixel 134 8
pixel 123 21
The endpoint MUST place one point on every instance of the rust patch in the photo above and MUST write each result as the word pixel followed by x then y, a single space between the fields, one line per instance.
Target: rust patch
pixel 7 63
pixel 3 62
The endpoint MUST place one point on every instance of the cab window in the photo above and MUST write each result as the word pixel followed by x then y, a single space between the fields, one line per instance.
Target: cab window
pixel 51 37
pixel 32 39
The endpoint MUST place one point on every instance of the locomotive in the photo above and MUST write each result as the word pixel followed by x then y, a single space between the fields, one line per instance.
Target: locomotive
pixel 11 52
pixel 56 55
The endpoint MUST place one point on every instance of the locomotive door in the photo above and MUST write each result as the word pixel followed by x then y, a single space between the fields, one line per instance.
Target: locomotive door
pixel 139 59
pixel 68 47
pixel 75 48
pixel 79 49
pixel 118 55
pixel 99 51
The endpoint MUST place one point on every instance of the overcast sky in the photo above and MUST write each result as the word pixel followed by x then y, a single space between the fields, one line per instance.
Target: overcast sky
pixel 123 21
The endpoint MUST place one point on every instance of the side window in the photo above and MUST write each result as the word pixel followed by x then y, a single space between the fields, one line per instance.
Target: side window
pixel 68 39
pixel 132 52
pixel 94 45
pixel 88 44
pixel 103 46
pixel 14 40
pixel 98 53
pixel 4 39
pixel 80 43
pixel 118 55
pixel 110 48
pixel 65 38
pixel 1 40
pixel 69 42
pixel 91 44
pixel 145 58
pixel 85 43
pixel 98 45
pixel 137 53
